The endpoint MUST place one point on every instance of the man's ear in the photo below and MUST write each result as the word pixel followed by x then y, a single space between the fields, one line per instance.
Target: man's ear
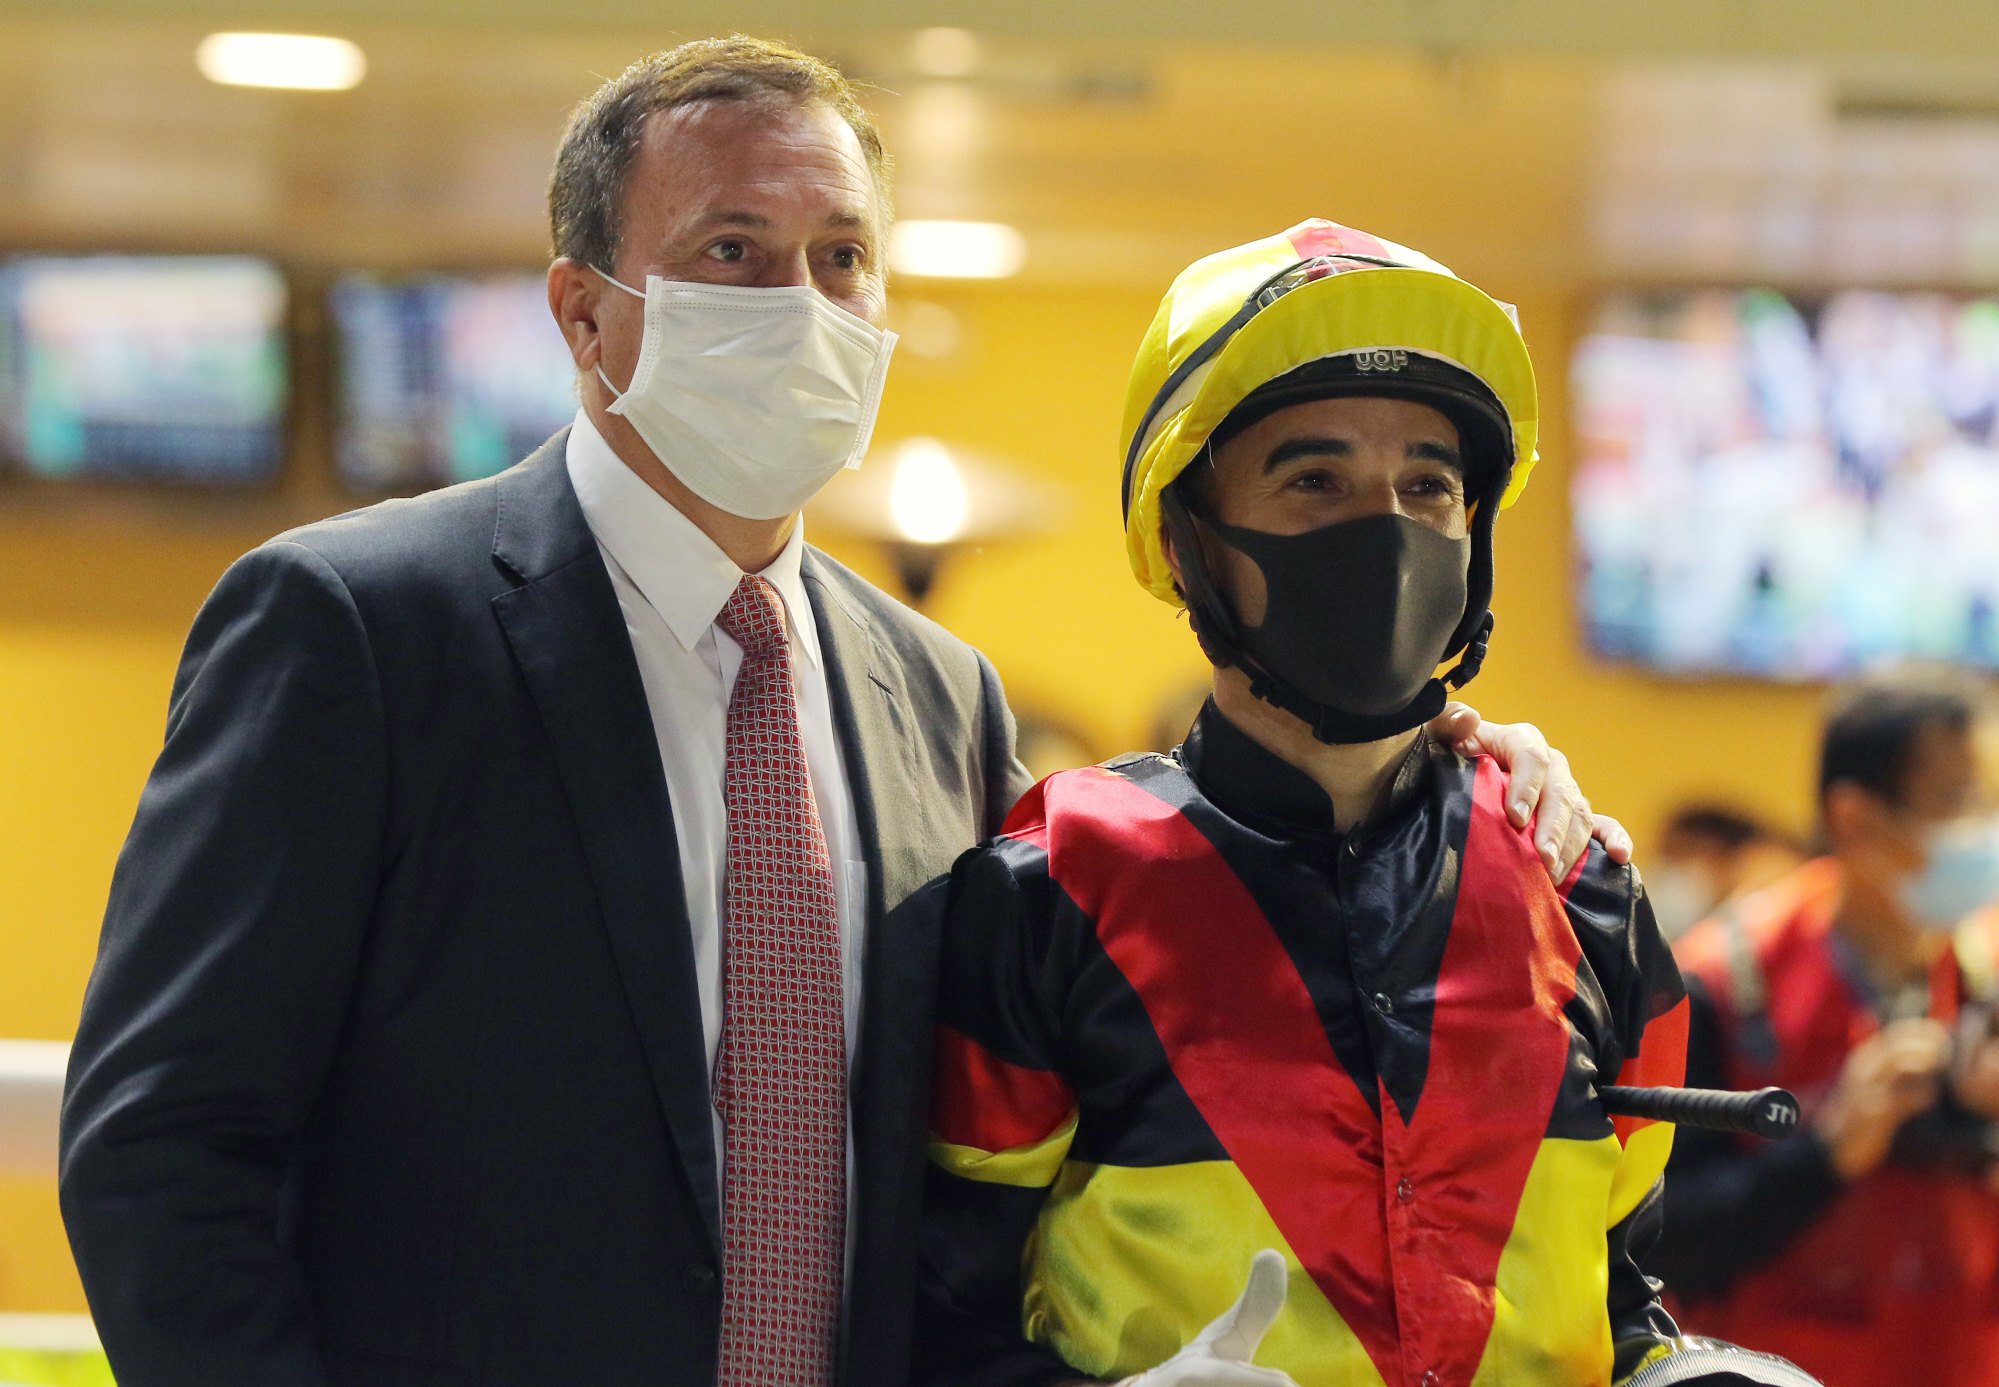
pixel 573 294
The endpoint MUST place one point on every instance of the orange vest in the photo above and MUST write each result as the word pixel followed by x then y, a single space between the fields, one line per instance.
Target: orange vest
pixel 1897 1284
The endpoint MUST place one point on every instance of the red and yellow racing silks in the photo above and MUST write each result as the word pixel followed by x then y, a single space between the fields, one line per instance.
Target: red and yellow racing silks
pixel 1170 1039
pixel 1890 1279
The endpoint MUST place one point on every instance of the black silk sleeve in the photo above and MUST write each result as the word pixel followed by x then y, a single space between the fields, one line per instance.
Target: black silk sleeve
pixel 1001 1119
pixel 1647 1046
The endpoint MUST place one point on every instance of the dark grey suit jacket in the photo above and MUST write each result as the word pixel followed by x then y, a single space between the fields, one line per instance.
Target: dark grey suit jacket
pixel 391 1070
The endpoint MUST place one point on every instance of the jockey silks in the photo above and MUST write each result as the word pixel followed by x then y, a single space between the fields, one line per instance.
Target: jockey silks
pixel 1181 1020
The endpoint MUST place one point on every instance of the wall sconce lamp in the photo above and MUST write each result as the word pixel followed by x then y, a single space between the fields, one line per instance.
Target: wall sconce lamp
pixel 923 501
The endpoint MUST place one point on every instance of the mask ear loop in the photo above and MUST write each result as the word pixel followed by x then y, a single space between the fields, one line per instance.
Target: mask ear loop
pixel 613 280
pixel 617 395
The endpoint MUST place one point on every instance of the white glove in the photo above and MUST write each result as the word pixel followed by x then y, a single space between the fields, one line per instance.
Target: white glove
pixel 1219 1355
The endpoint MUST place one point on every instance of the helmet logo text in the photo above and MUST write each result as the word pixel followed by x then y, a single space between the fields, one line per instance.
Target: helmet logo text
pixel 1381 359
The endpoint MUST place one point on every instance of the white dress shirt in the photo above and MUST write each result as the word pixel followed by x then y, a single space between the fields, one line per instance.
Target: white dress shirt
pixel 672 582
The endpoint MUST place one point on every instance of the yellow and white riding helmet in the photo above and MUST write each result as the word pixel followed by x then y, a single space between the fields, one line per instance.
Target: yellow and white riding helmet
pixel 1237 321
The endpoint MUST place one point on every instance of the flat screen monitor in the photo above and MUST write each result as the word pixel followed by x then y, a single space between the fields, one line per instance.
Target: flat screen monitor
pixel 445 378
pixel 163 368
pixel 1786 486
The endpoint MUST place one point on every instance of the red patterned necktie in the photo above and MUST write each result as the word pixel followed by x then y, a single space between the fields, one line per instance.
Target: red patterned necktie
pixel 781 1080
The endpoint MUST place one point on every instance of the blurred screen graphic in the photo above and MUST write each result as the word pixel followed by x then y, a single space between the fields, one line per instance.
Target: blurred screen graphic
pixel 445 378
pixel 169 368
pixel 1788 487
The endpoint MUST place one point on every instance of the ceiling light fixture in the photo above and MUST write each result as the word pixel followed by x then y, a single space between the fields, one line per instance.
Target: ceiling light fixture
pixel 956 250
pixel 945 52
pixel 296 62
pixel 923 501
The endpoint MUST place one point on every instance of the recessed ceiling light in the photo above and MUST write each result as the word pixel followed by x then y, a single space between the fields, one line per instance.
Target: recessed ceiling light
pixel 299 62
pixel 956 250
pixel 945 52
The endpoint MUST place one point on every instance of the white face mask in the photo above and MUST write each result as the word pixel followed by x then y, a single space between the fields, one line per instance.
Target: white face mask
pixel 1682 895
pixel 752 397
pixel 1961 875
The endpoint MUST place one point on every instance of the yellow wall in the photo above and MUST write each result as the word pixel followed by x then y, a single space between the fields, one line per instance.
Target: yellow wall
pixel 91 618
pixel 95 597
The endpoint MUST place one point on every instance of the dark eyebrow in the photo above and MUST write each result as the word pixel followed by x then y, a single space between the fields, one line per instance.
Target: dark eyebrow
pixel 1442 453
pixel 845 220
pixel 1292 448
pixel 756 221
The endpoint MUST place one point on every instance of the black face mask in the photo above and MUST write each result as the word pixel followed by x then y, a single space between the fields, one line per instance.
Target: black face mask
pixel 1358 614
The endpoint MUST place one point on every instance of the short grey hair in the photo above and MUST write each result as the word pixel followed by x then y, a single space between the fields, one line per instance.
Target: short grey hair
pixel 587 189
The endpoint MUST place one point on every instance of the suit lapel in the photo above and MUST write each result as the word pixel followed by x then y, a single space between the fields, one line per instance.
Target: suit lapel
pixel 871 712
pixel 568 637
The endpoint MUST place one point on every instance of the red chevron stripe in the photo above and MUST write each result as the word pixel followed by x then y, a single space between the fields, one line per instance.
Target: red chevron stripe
pixel 1247 1044
pixel 1240 1031
pixel 1499 1048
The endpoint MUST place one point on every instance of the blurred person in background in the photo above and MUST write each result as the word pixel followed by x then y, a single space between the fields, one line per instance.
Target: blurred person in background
pixel 1296 1001
pixel 1708 854
pixel 411 1055
pixel 1868 1248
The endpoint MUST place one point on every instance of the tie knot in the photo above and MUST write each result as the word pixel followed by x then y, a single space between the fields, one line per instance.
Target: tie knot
pixel 754 618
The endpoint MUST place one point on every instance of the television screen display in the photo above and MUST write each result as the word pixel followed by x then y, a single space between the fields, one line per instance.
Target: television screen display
pixel 445 378
pixel 1785 486
pixel 156 368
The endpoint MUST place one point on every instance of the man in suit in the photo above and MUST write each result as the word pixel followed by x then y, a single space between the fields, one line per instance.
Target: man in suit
pixel 411 1056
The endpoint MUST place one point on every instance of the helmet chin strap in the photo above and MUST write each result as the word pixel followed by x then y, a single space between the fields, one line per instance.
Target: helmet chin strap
pixel 1215 626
